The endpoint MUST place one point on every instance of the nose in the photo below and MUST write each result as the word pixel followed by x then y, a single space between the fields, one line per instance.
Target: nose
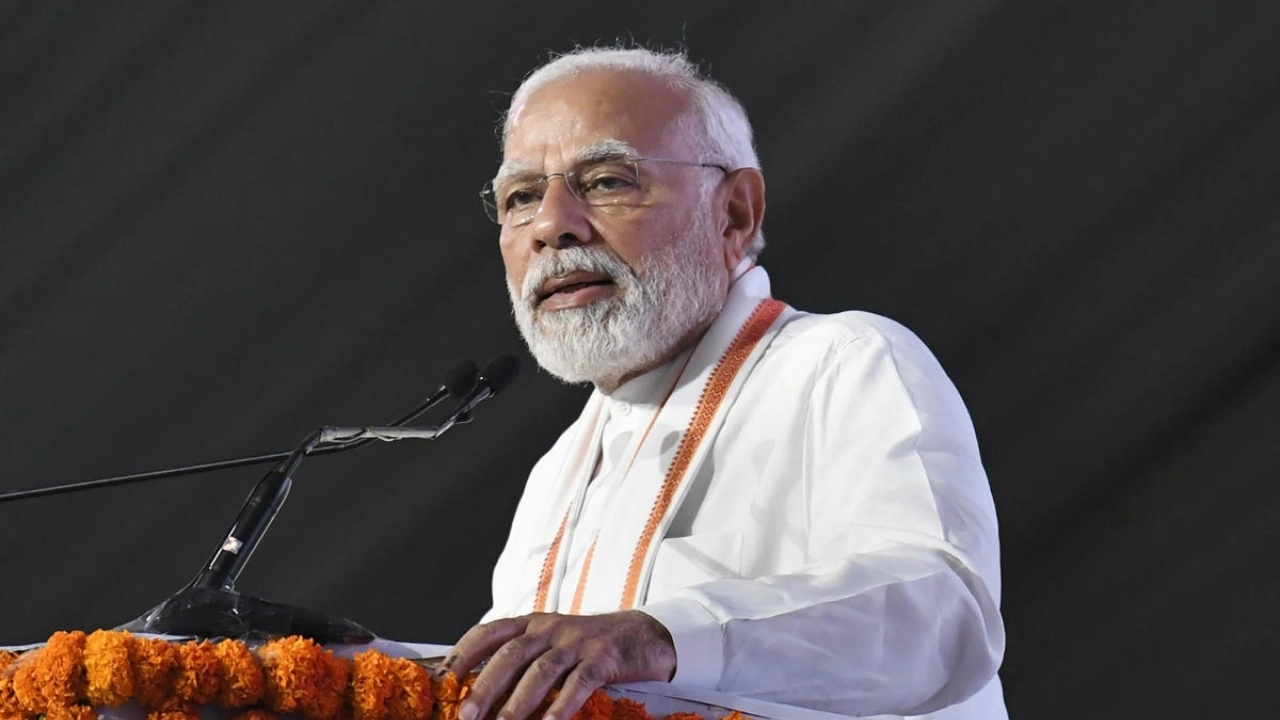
pixel 561 220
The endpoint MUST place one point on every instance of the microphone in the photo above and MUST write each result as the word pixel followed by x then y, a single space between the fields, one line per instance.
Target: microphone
pixel 460 380
pixel 457 383
pixel 495 378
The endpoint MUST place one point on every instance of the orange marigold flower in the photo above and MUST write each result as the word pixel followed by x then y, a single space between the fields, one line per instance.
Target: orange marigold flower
pixel 26 692
pixel 599 706
pixel 197 678
pixel 108 668
pixel 628 709
pixel 71 712
pixel 52 676
pixel 240 680
pixel 683 716
pixel 303 677
pixel 9 705
pixel 155 664
pixel 735 715
pixel 413 699
pixel 446 688
pixel 373 682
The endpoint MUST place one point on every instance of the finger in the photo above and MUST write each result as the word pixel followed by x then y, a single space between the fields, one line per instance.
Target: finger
pixel 585 679
pixel 500 674
pixel 538 680
pixel 479 643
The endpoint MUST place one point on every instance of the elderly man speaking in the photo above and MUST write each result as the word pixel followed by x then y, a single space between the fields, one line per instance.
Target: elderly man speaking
pixel 755 500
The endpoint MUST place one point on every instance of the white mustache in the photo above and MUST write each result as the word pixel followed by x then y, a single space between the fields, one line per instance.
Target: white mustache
pixel 563 262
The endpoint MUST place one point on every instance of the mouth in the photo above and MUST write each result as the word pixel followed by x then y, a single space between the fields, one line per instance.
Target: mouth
pixel 574 289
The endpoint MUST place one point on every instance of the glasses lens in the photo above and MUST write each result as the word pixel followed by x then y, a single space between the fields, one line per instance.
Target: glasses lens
pixel 603 184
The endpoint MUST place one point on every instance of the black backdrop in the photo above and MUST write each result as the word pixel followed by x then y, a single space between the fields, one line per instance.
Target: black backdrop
pixel 224 224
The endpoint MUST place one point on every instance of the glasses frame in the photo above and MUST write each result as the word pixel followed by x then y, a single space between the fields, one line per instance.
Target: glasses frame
pixel 488 198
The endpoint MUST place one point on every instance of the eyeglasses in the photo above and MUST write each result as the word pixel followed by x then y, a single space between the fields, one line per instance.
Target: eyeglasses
pixel 605 184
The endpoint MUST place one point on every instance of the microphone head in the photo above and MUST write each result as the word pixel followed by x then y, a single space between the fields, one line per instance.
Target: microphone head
pixel 460 379
pixel 498 374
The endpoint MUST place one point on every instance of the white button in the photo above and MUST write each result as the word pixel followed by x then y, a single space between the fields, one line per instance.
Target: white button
pixel 623 408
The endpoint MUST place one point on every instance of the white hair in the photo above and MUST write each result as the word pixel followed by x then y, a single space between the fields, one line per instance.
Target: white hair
pixel 716 124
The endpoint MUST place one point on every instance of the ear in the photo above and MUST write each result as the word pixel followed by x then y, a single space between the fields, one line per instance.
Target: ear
pixel 743 208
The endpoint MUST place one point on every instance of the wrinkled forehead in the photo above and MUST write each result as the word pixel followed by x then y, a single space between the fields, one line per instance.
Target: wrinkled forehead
pixel 596 114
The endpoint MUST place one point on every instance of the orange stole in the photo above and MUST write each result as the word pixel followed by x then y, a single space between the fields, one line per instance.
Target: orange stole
pixel 712 396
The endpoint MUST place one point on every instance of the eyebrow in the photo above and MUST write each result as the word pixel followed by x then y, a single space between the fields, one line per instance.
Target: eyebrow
pixel 607 150
pixel 610 149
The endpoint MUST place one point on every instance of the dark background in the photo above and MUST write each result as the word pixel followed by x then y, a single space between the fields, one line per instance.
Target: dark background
pixel 224 224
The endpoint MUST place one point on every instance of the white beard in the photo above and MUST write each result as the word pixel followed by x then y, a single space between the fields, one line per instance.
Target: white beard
pixel 671 293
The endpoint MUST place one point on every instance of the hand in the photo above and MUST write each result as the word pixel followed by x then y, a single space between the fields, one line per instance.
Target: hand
pixel 530 654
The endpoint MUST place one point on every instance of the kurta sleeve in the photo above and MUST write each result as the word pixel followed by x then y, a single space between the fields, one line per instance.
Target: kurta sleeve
pixel 896 609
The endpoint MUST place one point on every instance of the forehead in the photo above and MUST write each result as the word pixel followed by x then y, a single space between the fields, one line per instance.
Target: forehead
pixel 566 117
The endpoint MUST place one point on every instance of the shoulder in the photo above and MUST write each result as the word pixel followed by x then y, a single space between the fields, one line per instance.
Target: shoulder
pixel 855 349
pixel 848 325
pixel 827 338
pixel 860 359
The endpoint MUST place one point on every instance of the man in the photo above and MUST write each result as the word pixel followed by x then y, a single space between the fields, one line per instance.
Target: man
pixel 754 500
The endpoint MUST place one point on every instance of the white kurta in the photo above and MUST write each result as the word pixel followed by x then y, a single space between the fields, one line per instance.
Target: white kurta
pixel 833 547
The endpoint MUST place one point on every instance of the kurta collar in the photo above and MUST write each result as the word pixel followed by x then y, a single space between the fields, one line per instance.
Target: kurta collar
pixel 650 388
pixel 749 285
pixel 699 387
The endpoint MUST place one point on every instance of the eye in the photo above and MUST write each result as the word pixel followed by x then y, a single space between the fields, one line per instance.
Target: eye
pixel 521 196
pixel 609 181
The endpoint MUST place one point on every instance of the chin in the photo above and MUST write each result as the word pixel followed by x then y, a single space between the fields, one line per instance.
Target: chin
pixel 594 357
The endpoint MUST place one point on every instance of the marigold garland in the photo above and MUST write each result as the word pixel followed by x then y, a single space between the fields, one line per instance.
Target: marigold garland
pixel 371 686
pixel 108 668
pixel 9 706
pixel 597 707
pixel 414 697
pixel 240 677
pixel 154 664
pixel 304 677
pixel 197 679
pixel 74 672
pixel 628 709
pixel 54 678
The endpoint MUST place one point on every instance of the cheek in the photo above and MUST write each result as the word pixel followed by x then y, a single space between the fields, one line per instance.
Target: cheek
pixel 632 244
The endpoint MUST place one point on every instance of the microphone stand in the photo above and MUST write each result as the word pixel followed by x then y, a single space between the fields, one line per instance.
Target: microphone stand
pixel 210 606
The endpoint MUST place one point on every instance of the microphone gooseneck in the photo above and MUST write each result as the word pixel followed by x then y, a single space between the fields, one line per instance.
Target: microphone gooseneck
pixel 252 522
pixel 496 376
